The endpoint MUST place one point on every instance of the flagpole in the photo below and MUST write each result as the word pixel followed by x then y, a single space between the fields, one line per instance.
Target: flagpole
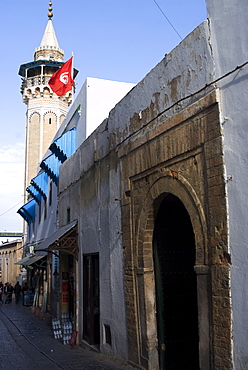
pixel 72 75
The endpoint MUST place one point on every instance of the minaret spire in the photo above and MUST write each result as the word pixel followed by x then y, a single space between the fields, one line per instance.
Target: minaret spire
pixel 49 47
pixel 50 10
pixel 45 110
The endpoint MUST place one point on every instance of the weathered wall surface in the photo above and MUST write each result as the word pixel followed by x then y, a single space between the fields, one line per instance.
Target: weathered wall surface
pixel 89 185
pixel 85 118
pixel 163 137
pixel 229 39
pixel 184 71
pixel 181 155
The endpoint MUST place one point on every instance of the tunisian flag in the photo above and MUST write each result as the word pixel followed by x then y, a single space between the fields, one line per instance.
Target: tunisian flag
pixel 62 80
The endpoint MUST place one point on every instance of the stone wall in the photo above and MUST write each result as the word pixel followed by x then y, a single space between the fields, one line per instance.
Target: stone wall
pixel 164 137
pixel 182 156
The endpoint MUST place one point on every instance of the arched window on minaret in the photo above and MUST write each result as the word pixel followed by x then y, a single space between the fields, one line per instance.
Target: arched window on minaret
pixel 33 142
pixel 37 92
pixel 49 129
pixel 61 119
pixel 46 91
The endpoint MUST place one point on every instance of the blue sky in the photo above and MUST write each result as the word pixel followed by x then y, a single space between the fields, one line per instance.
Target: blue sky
pixel 115 40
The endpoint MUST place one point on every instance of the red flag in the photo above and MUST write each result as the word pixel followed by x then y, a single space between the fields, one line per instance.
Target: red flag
pixel 62 80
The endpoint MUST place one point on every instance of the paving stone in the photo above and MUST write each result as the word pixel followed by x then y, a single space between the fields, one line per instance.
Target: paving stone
pixel 27 342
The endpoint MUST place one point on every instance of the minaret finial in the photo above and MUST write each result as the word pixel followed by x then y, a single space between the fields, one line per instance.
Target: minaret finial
pixel 50 13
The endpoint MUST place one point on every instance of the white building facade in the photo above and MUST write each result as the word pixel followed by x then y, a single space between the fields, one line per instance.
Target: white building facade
pixel 229 37
pixel 174 145
pixel 208 61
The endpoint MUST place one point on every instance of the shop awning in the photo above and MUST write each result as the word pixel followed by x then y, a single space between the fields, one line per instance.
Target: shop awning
pixel 21 262
pixel 28 211
pixel 51 165
pixel 33 260
pixel 64 239
pixel 64 146
pixel 40 183
pixel 34 193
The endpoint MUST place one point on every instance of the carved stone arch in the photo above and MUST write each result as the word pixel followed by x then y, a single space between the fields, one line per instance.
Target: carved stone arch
pixel 50 120
pixel 37 91
pixel 70 98
pixel 163 184
pixel 50 113
pixel 183 190
pixel 61 119
pixel 28 93
pixel 46 91
pixel 34 117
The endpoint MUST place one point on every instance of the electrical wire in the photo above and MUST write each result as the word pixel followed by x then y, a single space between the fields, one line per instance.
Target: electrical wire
pixel 167 19
pixel 185 98
pixel 11 208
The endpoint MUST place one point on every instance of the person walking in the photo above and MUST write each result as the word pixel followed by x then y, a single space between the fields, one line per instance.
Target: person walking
pixel 5 292
pixel 8 291
pixel 1 292
pixel 17 291
pixel 25 289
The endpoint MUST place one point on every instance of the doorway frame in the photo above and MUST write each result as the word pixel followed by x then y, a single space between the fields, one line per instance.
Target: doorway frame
pixel 91 338
pixel 178 186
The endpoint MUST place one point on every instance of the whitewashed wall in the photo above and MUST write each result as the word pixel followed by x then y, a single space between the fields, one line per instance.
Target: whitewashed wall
pixel 96 98
pixel 229 39
pixel 92 189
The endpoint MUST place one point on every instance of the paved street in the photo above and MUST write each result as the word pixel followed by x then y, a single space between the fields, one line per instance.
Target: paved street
pixel 28 343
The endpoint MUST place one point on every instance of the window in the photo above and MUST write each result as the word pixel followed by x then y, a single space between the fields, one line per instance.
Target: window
pixel 91 301
pixel 50 193
pixel 107 334
pixel 68 215
pixel 45 209
pixel 39 212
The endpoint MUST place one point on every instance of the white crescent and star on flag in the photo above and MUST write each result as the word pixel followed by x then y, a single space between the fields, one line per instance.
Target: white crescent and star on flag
pixel 64 78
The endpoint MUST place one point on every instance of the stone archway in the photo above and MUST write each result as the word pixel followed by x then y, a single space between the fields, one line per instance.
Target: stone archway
pixel 168 183
pixel 176 287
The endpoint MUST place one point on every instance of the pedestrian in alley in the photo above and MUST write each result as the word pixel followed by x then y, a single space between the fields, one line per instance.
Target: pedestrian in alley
pixel 25 289
pixel 8 291
pixel 17 291
pixel 1 292
pixel 5 292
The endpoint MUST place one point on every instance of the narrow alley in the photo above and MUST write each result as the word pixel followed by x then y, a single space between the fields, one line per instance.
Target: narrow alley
pixel 28 343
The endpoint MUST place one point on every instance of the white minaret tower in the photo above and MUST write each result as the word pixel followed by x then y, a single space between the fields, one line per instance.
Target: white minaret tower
pixel 45 110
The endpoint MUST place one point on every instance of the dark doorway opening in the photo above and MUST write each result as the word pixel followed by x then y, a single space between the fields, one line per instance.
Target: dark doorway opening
pixel 176 288
pixel 91 314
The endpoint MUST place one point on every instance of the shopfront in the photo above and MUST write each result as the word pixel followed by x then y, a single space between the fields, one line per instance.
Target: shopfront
pixel 62 248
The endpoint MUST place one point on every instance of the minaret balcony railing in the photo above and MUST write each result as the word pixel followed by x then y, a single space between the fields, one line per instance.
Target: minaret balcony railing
pixel 35 81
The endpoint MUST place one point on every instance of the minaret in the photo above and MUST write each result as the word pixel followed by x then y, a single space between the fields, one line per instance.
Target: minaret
pixel 45 110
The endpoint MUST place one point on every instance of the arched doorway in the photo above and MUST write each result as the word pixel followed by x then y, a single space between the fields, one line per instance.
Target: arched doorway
pixel 176 287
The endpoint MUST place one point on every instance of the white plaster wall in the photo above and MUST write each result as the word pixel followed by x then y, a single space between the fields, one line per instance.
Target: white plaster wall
pixel 101 97
pixel 96 98
pixel 99 220
pixel 183 72
pixel 200 58
pixel 100 216
pixel 229 39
